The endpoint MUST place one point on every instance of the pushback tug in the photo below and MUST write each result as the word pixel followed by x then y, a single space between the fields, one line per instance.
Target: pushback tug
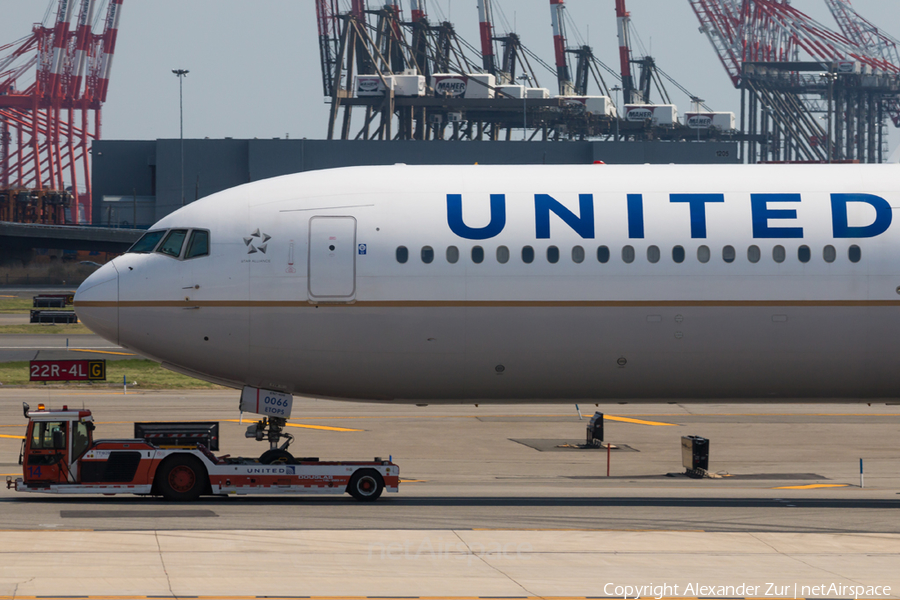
pixel 176 460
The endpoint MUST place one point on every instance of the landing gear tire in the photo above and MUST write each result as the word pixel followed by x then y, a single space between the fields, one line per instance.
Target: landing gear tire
pixel 366 485
pixel 182 479
pixel 277 457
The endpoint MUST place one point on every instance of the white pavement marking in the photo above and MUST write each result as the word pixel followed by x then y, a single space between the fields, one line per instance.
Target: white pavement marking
pixel 431 563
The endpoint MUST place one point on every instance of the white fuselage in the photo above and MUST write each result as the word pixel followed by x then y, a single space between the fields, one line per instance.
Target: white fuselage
pixel 666 282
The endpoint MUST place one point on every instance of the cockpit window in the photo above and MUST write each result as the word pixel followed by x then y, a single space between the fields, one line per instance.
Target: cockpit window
pixel 147 242
pixel 173 243
pixel 198 244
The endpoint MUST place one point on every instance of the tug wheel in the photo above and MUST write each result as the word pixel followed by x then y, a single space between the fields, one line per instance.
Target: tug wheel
pixel 182 479
pixel 366 485
pixel 277 457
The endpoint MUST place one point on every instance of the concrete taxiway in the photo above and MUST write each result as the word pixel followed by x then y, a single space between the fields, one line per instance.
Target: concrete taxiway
pixel 492 504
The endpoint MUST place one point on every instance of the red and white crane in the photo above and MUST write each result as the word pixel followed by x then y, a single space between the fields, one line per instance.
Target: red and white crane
pixel 329 40
pixel 559 46
pixel 419 44
pixel 863 32
pixel 623 21
pixel 872 39
pixel 417 10
pixel 45 124
pixel 720 21
pixel 771 30
pixel 358 9
pixel 486 29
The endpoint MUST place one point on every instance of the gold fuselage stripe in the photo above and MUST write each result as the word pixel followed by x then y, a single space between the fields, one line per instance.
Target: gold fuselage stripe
pixel 490 303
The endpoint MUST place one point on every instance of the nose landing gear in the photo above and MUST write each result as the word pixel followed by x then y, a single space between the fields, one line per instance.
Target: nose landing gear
pixel 272 429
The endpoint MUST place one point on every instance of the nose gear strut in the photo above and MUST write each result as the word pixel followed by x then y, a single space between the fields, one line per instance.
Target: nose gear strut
pixel 271 429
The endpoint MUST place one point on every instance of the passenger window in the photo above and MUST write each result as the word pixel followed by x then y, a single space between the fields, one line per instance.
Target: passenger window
pixel 754 254
pixel 147 242
pixel 855 254
pixel 829 254
pixel 653 254
pixel 628 254
pixel 552 255
pixel 477 255
pixel 452 255
pixel 578 254
pixel 804 254
pixel 198 245
pixel 678 254
pixel 502 255
pixel 728 254
pixel 402 254
pixel 427 255
pixel 778 254
pixel 703 254
pixel 603 255
pixel 527 255
pixel 171 246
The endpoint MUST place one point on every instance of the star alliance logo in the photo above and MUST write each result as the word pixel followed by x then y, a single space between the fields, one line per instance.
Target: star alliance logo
pixel 254 245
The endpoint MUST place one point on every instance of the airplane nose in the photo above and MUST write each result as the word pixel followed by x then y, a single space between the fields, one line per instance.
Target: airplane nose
pixel 97 302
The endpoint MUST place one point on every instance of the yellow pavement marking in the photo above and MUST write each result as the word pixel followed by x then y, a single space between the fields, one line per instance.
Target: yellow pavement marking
pixel 101 352
pixel 637 421
pixel 9 474
pixel 320 427
pixel 13 437
pixel 130 391
pixel 42 531
pixel 413 481
pixel 812 486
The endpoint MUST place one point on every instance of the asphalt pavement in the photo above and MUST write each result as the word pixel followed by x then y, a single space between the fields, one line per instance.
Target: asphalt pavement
pixel 495 501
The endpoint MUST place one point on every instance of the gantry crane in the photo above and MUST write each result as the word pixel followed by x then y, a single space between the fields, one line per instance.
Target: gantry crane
pixel 45 124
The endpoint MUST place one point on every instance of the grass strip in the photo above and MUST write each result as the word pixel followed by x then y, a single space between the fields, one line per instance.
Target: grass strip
pixel 45 329
pixel 12 306
pixel 148 375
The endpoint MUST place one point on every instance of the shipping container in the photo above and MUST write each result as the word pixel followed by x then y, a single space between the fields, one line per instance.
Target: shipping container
pixel 514 91
pixel 371 85
pixel 657 114
pixel 473 85
pixel 596 105
pixel 723 121
pixel 409 85
pixel 537 93
pixel 480 85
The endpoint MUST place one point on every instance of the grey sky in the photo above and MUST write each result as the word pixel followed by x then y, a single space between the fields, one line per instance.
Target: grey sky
pixel 254 66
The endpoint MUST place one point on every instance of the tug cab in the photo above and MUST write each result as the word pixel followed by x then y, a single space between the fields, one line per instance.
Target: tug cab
pixel 54 442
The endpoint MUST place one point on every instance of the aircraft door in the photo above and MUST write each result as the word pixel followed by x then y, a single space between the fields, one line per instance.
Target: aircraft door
pixel 332 259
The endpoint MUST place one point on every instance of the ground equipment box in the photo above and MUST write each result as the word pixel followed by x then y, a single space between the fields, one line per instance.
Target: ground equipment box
pixel 695 453
pixel 595 430
pixel 179 435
